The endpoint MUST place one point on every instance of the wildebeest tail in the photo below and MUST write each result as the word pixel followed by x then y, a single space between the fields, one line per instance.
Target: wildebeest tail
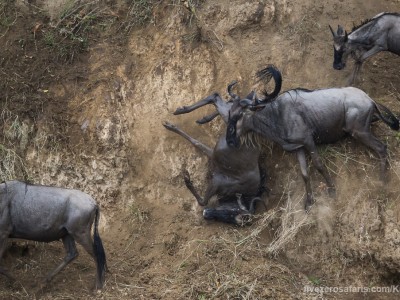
pixel 387 116
pixel 265 75
pixel 99 252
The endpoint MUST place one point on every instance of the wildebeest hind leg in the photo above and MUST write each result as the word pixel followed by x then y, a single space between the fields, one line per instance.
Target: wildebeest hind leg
pixel 72 253
pixel 368 139
pixel 211 190
pixel 85 240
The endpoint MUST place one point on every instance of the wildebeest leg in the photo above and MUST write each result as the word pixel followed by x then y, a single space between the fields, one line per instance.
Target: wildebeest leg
pixel 205 149
pixel 215 99
pixel 368 139
pixel 355 73
pixel 322 169
pixel 211 190
pixel 5 230
pixel 85 240
pixel 374 50
pixel 208 118
pixel 301 157
pixel 3 247
pixel 72 253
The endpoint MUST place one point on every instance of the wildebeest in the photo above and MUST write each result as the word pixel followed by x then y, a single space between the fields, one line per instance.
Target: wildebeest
pixel 46 214
pixel 299 119
pixel 381 33
pixel 236 175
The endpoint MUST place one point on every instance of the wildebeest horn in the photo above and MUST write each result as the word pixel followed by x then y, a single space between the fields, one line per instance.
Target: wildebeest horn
pixel 333 33
pixel 254 99
pixel 233 95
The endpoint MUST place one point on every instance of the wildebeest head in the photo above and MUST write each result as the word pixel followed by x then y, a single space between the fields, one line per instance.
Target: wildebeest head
pixel 340 47
pixel 240 110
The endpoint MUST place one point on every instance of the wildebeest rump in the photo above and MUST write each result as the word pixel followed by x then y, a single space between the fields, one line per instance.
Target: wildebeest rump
pixel 45 214
pixel 299 119
pixel 236 175
pixel 381 33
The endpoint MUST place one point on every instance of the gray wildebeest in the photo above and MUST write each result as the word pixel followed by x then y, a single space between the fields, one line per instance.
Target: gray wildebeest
pixel 46 214
pixel 236 175
pixel 381 33
pixel 299 119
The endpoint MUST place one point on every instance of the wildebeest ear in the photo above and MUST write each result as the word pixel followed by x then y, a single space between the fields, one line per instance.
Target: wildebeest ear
pixel 340 30
pixel 345 36
pixel 245 102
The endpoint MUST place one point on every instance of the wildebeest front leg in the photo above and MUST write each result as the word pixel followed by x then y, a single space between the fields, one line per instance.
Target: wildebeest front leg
pixel 219 103
pixel 208 118
pixel 5 230
pixel 203 148
pixel 355 73
pixel 3 246
pixel 72 253
pixel 316 159
pixel 301 157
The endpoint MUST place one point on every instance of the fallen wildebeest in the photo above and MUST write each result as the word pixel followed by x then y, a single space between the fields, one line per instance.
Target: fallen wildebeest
pixel 299 119
pixel 381 33
pixel 236 175
pixel 46 214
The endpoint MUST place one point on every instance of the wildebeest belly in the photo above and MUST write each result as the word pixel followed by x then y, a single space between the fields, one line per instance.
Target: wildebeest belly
pixel 38 219
pixel 246 183
pixel 328 136
pixel 44 235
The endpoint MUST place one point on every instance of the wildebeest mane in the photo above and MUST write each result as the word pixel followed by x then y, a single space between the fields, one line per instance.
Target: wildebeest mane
pixel 366 21
pixel 303 90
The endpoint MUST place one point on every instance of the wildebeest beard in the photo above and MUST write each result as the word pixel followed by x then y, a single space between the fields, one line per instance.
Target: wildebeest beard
pixel 253 139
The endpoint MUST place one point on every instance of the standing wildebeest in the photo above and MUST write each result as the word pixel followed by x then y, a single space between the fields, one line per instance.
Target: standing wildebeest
pixel 299 119
pixel 46 214
pixel 235 173
pixel 381 33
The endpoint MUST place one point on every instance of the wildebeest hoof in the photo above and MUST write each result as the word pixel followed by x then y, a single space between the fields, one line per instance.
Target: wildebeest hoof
pixel 308 204
pixel 180 110
pixel 307 207
pixel 169 126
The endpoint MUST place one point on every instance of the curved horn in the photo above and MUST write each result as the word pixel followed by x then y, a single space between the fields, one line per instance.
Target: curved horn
pixel 233 95
pixel 265 75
